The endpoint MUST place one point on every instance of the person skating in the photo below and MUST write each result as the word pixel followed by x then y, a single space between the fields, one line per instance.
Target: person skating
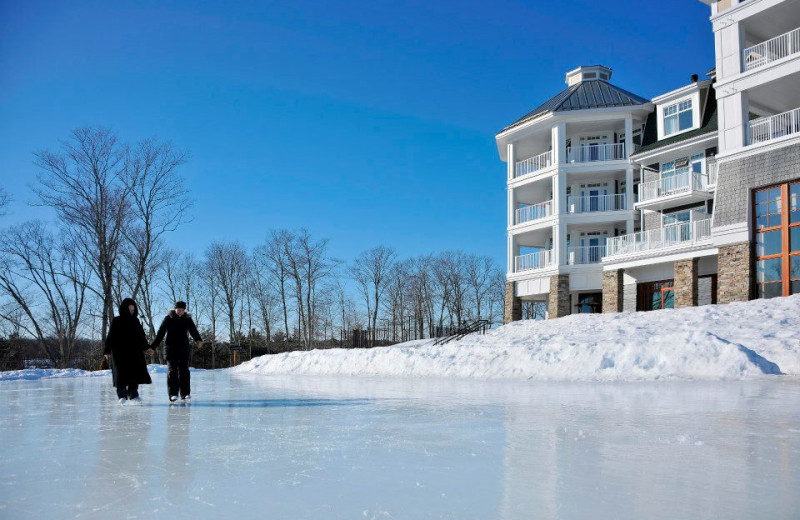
pixel 177 325
pixel 125 346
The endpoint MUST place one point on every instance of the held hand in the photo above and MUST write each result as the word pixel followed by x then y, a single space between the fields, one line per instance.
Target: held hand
pixel 150 351
pixel 107 356
pixel 198 344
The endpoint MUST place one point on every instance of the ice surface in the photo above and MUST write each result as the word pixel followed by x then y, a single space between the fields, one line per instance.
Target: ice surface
pixel 301 447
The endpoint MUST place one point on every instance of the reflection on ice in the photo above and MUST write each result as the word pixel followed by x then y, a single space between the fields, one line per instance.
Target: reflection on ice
pixel 315 447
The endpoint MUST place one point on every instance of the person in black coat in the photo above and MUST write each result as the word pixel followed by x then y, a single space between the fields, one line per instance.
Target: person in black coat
pixel 125 347
pixel 177 325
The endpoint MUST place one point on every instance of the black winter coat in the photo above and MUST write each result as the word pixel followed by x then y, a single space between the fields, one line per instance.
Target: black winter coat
pixel 177 330
pixel 126 342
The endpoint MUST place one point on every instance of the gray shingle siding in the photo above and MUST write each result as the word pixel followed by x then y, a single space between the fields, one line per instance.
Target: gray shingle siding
pixel 737 178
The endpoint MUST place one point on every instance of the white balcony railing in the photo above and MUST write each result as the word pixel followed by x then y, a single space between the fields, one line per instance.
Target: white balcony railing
pixel 592 153
pixel 672 185
pixel 771 50
pixel 593 203
pixel 534 212
pixel 772 127
pixel 533 164
pixel 530 261
pixel 685 233
pixel 586 255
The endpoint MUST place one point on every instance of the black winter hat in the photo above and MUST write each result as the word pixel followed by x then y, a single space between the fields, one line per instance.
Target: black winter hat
pixel 180 305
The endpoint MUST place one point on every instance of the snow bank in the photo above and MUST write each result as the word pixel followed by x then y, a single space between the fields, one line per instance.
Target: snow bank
pixel 56 373
pixel 737 341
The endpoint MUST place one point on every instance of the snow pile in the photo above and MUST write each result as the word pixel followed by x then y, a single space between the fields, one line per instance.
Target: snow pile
pixel 57 373
pixel 736 341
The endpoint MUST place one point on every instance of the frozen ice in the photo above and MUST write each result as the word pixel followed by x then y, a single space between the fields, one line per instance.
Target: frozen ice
pixel 304 447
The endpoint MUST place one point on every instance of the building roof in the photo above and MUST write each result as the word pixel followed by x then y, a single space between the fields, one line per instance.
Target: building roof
pixel 588 94
pixel 708 125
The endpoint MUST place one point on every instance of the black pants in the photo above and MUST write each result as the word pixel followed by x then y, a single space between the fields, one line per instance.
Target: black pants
pixel 178 374
pixel 128 391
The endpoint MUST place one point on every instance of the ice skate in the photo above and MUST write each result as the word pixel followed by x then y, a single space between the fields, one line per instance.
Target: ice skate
pixel 186 399
pixel 137 400
pixel 172 399
pixel 122 400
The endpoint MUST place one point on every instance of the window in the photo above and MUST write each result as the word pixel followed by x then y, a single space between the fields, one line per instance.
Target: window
pixel 678 117
pixel 589 303
pixel 777 239
pixel 652 296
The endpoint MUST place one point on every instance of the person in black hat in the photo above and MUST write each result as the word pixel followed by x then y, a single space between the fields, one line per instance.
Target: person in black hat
pixel 125 346
pixel 177 325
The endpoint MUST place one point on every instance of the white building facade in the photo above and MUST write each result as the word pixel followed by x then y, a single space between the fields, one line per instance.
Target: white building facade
pixel 617 203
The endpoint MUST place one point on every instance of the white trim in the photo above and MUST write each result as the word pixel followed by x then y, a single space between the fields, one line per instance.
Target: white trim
pixel 659 259
pixel 711 136
pixel 757 149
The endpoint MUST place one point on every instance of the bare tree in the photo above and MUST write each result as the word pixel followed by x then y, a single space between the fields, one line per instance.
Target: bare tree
pixel 370 271
pixel 83 183
pixel 158 202
pixel 5 200
pixel 272 256
pixel 263 293
pixel 479 272
pixel 308 264
pixel 47 281
pixel 229 263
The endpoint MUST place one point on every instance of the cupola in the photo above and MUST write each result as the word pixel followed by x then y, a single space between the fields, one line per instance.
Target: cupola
pixel 588 73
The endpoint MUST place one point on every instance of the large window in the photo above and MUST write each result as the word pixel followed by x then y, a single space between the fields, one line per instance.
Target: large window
pixel 777 238
pixel 655 295
pixel 678 117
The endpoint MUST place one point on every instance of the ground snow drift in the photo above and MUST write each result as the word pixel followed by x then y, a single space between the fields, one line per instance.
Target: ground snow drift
pixel 737 341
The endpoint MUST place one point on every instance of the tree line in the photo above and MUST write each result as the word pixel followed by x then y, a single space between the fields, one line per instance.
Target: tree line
pixel 116 203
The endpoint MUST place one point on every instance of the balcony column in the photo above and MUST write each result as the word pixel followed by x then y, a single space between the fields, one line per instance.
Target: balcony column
pixel 733 121
pixel 613 290
pixel 512 161
pixel 558 300
pixel 628 135
pixel 559 143
pixel 513 252
pixel 512 207
pixel 513 305
pixel 686 282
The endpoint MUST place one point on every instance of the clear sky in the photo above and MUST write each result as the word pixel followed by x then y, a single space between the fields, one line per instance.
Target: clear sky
pixel 367 122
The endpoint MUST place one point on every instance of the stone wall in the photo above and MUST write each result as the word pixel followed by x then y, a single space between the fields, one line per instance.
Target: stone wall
pixel 613 295
pixel 558 301
pixel 734 273
pixel 513 305
pixel 686 283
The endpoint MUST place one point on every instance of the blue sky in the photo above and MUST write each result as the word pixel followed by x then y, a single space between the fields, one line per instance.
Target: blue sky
pixel 368 123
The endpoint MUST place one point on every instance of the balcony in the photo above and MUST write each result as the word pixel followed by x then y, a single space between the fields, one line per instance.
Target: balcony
pixel 670 236
pixel 596 153
pixel 684 187
pixel 531 261
pixel 586 255
pixel 771 50
pixel 533 164
pixel 534 212
pixel 592 203
pixel 766 129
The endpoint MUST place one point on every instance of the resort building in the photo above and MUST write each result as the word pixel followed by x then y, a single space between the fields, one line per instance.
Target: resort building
pixel 618 203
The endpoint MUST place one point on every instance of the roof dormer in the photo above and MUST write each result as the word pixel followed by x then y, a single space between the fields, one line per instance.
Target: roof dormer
pixel 588 73
pixel 682 109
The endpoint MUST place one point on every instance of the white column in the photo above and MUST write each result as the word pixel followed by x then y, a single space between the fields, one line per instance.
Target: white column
pixel 511 161
pixel 512 207
pixel 628 135
pixel 560 242
pixel 559 142
pixel 557 181
pixel 512 252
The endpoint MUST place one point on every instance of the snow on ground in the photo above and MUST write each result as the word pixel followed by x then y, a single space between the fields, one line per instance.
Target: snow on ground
pixel 735 341
pixel 57 373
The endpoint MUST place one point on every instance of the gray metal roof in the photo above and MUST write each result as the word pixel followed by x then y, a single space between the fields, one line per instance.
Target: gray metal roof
pixel 582 96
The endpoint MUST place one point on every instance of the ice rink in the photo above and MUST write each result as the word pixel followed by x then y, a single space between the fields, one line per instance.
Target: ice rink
pixel 290 447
